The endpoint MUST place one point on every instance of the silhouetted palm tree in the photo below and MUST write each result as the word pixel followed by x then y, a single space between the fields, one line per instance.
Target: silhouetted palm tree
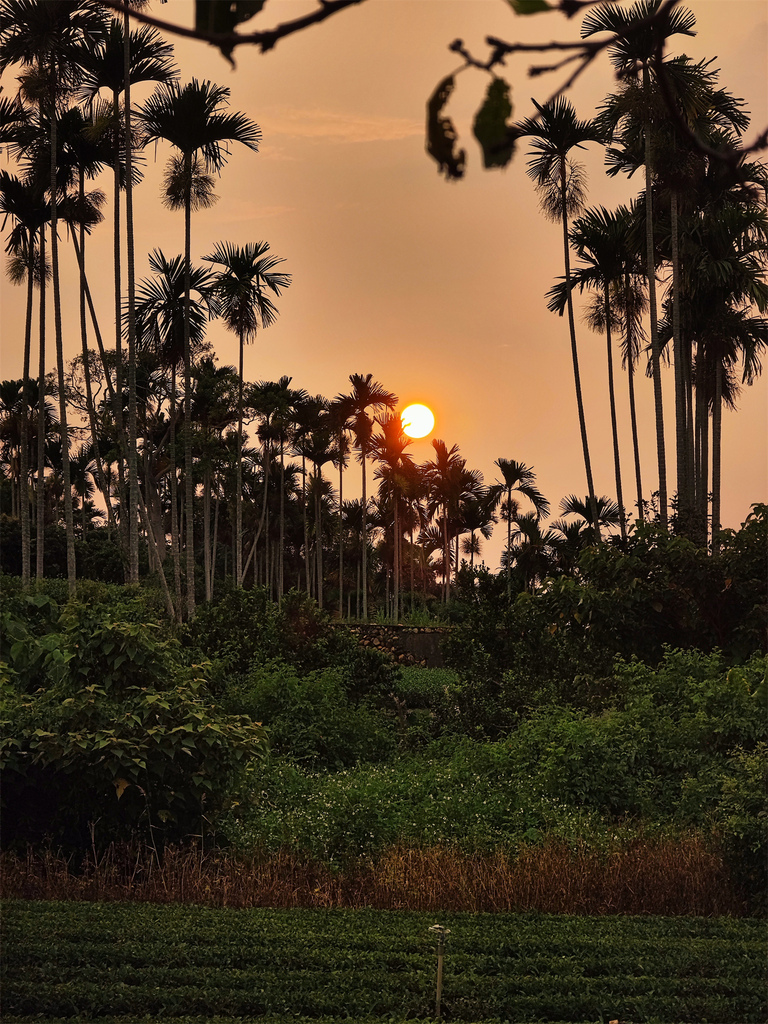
pixel 25 204
pixel 388 448
pixel 608 514
pixel 192 118
pixel 165 323
pixel 366 395
pixel 634 52
pixel 517 478
pixel 122 59
pixel 46 40
pixel 244 275
pixel 560 184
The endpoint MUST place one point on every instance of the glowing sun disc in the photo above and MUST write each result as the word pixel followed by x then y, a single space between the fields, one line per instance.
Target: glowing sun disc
pixel 417 420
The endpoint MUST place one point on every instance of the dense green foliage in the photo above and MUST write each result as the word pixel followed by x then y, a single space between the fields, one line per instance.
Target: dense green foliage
pixel 106 723
pixel 99 961
pixel 667 750
pixel 539 730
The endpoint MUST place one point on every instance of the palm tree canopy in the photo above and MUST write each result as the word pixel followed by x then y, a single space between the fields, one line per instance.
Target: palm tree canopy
pixel 24 202
pixel 243 274
pixel 50 36
pixel 366 394
pixel 603 241
pixel 516 476
pixel 607 510
pixel 637 35
pixel 191 117
pixel 554 131
pixel 151 60
pixel 160 307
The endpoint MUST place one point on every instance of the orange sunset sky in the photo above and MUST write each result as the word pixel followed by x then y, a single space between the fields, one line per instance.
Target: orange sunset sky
pixel 435 288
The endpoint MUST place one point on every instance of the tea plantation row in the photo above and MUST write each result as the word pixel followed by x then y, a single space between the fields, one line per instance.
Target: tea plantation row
pixel 110 962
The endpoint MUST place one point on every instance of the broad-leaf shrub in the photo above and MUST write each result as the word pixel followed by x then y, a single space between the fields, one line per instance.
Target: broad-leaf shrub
pixel 633 600
pixel 245 629
pixel 105 722
pixel 310 716
pixel 675 748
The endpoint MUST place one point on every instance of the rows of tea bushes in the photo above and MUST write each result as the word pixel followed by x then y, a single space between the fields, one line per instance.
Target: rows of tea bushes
pixel 99 962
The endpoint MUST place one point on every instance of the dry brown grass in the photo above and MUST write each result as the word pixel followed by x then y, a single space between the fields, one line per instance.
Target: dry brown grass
pixel 679 876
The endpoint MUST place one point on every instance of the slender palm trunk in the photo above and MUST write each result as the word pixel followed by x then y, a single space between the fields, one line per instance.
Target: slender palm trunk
pixel 95 323
pixel 207 531
pixel 410 556
pixel 446 557
pixel 717 428
pixel 215 540
pixel 690 432
pixel 635 440
pixel 655 349
pixel 24 455
pixel 396 559
pixel 189 482
pixel 364 541
pixel 89 403
pixel 632 406
pixel 40 482
pixel 133 469
pixel 574 349
pixel 319 537
pixel 341 524
pixel 118 388
pixel 281 527
pixel 684 510
pixel 85 296
pixel 614 426
pixel 239 485
pixel 702 416
pixel 172 614
pixel 509 544
pixel 264 518
pixel 175 538
pixel 68 511
pixel 305 520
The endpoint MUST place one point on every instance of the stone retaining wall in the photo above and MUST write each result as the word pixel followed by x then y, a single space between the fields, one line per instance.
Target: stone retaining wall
pixel 408 645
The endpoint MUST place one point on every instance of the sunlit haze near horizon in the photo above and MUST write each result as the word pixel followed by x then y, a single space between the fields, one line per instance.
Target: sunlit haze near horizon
pixel 436 288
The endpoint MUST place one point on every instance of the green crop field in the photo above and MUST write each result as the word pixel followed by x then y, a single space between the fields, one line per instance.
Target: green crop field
pixel 140 962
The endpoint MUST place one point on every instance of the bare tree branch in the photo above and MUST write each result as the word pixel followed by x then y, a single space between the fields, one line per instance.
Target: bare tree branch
pixel 581 52
pixel 226 42
pixel 584 51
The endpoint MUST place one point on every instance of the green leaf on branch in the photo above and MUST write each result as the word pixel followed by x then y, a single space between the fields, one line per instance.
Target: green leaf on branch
pixel 530 6
pixel 441 133
pixel 490 125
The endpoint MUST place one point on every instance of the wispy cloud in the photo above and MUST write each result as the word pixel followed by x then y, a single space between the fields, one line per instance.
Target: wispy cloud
pixel 243 211
pixel 338 126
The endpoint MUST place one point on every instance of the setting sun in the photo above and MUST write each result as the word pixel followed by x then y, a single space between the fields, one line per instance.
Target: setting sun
pixel 417 420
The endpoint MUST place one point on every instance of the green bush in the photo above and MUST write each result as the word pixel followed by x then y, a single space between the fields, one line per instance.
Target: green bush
pixel 245 629
pixel 105 722
pixel 310 716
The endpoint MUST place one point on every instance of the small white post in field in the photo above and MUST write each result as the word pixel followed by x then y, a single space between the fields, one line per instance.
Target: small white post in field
pixel 442 933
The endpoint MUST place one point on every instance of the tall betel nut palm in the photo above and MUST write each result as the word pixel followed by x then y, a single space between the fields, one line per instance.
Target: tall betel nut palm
pixel 193 118
pixel 45 39
pixel 244 276
pixel 518 478
pixel 366 394
pixel 638 47
pixel 122 59
pixel 559 181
